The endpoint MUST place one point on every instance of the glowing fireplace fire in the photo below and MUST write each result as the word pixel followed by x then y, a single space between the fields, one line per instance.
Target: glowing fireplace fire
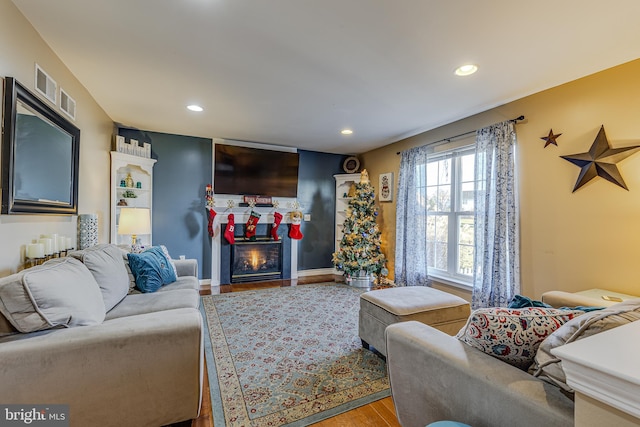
pixel 255 261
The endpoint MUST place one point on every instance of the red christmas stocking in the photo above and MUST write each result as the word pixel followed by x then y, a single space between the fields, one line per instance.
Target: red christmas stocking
pixel 294 227
pixel 250 231
pixel 277 217
pixel 228 232
pixel 211 215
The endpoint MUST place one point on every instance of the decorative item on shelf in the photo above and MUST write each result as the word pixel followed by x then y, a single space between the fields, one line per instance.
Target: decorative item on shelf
pixel 133 146
pixel 129 194
pixel 55 248
pixel 129 181
pixel 601 161
pixel 48 247
pixel 386 187
pixel 230 204
pixel 122 202
pixel 62 246
pixel 351 164
pixel 550 139
pixel 138 185
pixel 134 221
pixel 87 230
pixel 260 201
pixel 123 183
pixel 35 253
pixel 352 191
pixel 120 147
pixel 359 255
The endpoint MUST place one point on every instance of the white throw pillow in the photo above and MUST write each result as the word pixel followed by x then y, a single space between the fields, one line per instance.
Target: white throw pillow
pixel 60 293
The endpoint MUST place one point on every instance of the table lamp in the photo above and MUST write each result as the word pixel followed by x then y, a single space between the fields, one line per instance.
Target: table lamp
pixel 134 221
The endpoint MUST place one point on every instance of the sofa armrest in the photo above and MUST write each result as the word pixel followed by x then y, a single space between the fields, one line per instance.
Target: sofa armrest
pixel 138 370
pixel 186 267
pixel 434 376
pixel 559 299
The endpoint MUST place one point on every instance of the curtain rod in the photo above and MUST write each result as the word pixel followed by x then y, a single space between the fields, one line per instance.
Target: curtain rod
pixel 516 120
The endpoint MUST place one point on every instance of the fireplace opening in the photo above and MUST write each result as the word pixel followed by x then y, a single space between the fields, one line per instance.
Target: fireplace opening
pixel 256 261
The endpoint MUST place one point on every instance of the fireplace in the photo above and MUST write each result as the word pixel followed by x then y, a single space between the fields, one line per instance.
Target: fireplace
pixel 256 261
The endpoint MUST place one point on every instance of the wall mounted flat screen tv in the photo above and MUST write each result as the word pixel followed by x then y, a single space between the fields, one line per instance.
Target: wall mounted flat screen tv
pixel 253 171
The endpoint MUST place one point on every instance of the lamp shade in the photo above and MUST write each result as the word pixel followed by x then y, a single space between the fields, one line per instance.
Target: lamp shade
pixel 134 221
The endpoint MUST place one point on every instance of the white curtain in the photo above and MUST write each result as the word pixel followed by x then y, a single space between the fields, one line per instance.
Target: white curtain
pixel 497 232
pixel 411 220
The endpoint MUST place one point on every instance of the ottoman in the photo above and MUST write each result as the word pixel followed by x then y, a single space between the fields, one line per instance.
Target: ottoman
pixel 381 308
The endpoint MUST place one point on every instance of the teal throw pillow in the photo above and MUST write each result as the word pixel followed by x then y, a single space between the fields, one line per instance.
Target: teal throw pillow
pixel 151 269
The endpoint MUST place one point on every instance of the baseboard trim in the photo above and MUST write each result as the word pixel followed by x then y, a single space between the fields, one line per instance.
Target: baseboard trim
pixel 315 272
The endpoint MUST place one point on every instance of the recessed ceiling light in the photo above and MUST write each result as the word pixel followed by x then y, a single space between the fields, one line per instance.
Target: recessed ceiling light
pixel 195 108
pixel 346 131
pixel 466 70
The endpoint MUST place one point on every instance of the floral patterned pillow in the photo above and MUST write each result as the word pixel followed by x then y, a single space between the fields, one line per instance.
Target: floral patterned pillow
pixel 513 334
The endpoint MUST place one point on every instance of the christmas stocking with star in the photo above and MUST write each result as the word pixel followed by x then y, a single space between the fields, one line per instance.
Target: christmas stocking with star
pixel 250 231
pixel 211 214
pixel 277 217
pixel 229 230
pixel 294 227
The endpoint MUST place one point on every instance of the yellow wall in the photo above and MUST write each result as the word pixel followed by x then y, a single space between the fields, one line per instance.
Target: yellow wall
pixel 20 48
pixel 569 241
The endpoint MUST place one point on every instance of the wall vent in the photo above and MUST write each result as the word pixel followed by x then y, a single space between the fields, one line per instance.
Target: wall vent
pixel 45 84
pixel 67 104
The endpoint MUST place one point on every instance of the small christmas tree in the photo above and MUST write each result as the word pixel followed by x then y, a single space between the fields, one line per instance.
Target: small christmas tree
pixel 360 245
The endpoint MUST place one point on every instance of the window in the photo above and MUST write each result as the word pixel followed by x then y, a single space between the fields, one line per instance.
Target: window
pixel 447 187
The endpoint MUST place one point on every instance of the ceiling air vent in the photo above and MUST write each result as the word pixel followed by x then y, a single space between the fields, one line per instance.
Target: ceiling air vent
pixel 45 84
pixel 67 104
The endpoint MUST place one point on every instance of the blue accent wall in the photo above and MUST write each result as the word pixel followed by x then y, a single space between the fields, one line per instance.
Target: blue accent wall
pixel 317 196
pixel 179 179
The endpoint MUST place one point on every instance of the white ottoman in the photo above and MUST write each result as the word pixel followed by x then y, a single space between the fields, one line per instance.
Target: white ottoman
pixel 383 307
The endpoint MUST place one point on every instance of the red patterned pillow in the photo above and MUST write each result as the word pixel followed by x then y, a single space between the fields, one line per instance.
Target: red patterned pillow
pixel 513 334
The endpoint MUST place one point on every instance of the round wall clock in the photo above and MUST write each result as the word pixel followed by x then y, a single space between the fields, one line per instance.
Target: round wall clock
pixel 351 164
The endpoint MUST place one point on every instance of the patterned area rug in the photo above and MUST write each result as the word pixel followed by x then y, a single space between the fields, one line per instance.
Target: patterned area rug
pixel 288 356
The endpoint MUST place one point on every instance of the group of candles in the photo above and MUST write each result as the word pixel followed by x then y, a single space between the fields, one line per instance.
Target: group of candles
pixel 49 246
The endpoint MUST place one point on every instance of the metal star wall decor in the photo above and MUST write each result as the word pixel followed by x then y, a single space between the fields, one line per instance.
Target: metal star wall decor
pixel 551 139
pixel 601 161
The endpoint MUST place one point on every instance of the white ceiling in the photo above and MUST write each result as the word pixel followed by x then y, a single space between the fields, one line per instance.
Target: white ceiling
pixel 296 72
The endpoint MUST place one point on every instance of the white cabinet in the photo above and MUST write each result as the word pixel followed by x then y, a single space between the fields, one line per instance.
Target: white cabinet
pixel 344 182
pixel 136 191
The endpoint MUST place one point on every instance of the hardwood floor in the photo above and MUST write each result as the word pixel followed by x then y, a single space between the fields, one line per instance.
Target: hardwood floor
pixel 376 414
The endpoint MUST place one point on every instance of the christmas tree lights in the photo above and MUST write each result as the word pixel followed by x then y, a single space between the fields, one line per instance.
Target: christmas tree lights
pixel 359 252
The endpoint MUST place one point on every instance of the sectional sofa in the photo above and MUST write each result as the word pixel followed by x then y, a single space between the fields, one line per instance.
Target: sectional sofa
pixel 73 331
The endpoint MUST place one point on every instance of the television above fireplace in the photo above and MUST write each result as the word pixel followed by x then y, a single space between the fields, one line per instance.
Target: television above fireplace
pixel 254 171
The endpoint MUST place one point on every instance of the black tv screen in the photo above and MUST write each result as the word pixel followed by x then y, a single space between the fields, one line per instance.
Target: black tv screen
pixel 253 171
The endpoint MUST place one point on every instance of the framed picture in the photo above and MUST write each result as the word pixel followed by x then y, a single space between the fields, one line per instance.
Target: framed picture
pixel 386 187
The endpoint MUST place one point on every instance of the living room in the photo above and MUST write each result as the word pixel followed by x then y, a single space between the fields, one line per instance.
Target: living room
pixel 569 241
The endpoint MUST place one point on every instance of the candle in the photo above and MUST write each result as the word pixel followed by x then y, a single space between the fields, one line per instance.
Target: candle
pixel 48 245
pixel 35 250
pixel 69 243
pixel 62 243
pixel 54 242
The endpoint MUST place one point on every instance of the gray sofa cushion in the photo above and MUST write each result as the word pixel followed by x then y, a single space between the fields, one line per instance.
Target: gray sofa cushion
pixel 183 282
pixel 106 264
pixel 61 292
pixel 137 304
pixel 6 328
